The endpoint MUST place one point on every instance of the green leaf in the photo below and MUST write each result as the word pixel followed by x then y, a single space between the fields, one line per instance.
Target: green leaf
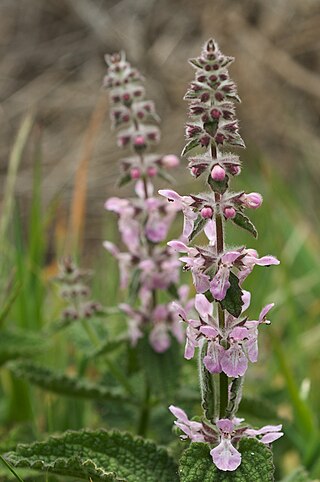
pixel 162 369
pixel 108 346
pixel 256 466
pixel 64 384
pixel 101 455
pixel 244 222
pixel 166 176
pixel 299 475
pixel 134 286
pixel 189 146
pixel 218 186
pixel 124 179
pixel 198 227
pixel 258 408
pixel 16 344
pixel 233 301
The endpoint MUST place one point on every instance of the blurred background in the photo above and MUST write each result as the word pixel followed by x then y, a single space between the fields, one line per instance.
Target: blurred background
pixel 51 70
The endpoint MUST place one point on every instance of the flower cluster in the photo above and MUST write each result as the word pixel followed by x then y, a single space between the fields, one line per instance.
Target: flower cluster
pixel 224 435
pixel 226 337
pixel 74 289
pixel 144 220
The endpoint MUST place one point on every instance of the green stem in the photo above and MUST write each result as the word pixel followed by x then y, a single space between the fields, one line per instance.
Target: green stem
pixel 10 468
pixel 145 413
pixel 118 374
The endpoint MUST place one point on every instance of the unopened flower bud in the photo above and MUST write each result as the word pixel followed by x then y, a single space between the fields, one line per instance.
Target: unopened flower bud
pixel 252 200
pixel 206 212
pixel 218 173
pixel 229 212
pixel 215 113
pixel 194 171
pixel 139 141
pixel 135 173
pixel 234 170
pixel 152 171
pixel 219 138
pixel 170 161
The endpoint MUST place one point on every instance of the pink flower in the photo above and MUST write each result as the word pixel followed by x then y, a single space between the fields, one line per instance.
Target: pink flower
pixel 225 456
pixel 182 203
pixel 220 282
pixel 193 430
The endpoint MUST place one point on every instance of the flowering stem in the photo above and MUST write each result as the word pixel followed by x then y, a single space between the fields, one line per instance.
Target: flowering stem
pixel 220 247
pixel 145 413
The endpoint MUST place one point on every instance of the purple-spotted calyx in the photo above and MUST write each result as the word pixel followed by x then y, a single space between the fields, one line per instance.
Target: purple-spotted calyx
pixel 224 334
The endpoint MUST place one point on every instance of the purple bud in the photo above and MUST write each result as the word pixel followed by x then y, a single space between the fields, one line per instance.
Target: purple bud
pixel 234 170
pixel 139 141
pixel 152 171
pixel 219 138
pixel 126 97
pixel 219 96
pixel 205 97
pixel 215 113
pixel 170 161
pixel 135 173
pixel 206 212
pixel 218 173
pixel 229 212
pixel 205 141
pixel 252 200
pixel 194 171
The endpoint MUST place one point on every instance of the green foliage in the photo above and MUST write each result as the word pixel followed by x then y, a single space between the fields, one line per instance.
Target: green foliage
pixel 108 346
pixel 244 222
pixel 256 466
pixel 162 369
pixel 17 344
pixel 198 227
pixel 124 179
pixel 218 186
pixel 101 455
pixel 64 384
pixel 189 146
pixel 299 475
pixel 233 300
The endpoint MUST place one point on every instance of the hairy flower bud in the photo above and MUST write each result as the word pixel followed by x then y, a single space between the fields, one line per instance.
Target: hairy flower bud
pixel 229 212
pixel 135 173
pixel 170 160
pixel 252 200
pixel 218 173
pixel 152 171
pixel 206 212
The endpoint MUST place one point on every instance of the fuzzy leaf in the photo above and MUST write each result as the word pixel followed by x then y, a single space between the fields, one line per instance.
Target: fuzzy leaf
pixel 189 146
pixel 256 465
pixel 244 222
pixel 124 179
pixel 15 344
pixel 162 369
pixel 233 301
pixel 198 227
pixel 218 186
pixel 101 455
pixel 64 384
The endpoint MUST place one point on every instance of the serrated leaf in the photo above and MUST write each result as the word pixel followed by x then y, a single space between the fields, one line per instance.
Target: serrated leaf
pixel 256 466
pixel 64 384
pixel 218 186
pixel 101 455
pixel 189 146
pixel 15 344
pixel 196 63
pixel 244 222
pixel 162 369
pixel 124 179
pixel 198 227
pixel 233 300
